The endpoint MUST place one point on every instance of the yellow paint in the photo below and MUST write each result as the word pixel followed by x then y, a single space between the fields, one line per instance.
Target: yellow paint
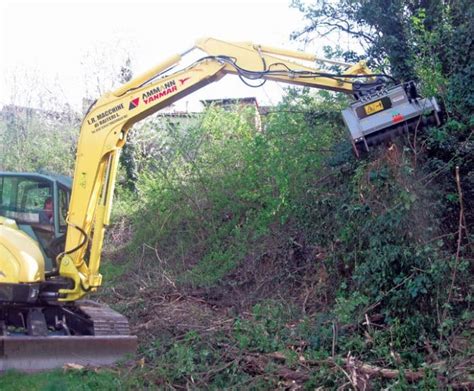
pixel 374 107
pixel 21 260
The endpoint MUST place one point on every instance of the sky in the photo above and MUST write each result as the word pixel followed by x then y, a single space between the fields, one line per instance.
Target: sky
pixel 63 47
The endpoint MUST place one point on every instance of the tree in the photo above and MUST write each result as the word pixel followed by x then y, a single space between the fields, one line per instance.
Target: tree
pixel 127 158
pixel 427 40
pixel 38 129
pixel 379 25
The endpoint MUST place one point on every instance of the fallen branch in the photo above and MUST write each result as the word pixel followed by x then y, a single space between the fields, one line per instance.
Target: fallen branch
pixel 371 370
pixel 356 371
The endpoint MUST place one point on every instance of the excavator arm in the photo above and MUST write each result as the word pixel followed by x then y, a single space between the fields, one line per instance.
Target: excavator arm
pixel 104 131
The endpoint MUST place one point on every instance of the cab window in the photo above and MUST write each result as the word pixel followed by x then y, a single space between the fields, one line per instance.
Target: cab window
pixel 32 195
pixel 22 198
pixel 7 194
pixel 63 208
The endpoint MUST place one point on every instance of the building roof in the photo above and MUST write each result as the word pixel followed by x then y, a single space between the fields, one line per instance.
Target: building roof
pixel 230 102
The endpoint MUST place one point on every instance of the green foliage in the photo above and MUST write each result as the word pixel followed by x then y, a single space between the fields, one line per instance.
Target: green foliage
pixel 443 39
pixel 226 182
pixel 184 363
pixel 37 141
pixel 348 310
pixel 265 331
pixel 231 191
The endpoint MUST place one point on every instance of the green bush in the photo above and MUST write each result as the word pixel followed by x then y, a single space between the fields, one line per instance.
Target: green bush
pixel 227 182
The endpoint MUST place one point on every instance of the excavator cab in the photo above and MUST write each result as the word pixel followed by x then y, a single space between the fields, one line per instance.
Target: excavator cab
pixel 34 333
pixel 38 203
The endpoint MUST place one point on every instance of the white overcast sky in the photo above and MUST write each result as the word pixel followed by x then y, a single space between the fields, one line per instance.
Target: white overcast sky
pixel 48 43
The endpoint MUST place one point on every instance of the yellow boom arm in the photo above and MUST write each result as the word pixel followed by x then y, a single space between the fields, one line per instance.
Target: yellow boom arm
pixel 104 130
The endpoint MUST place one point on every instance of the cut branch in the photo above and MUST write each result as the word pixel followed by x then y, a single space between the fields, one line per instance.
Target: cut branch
pixel 459 243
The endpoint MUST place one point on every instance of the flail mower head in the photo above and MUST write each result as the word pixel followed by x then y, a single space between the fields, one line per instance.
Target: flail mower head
pixel 378 117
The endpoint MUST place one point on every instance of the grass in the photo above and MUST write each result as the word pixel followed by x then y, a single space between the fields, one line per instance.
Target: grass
pixel 65 380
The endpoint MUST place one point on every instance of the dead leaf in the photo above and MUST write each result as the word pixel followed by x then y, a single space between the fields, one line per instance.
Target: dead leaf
pixel 76 367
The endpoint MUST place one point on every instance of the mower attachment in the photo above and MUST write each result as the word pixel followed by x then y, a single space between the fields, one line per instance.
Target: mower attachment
pixel 377 118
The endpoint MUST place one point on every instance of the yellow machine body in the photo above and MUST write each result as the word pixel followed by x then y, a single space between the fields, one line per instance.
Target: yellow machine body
pixel 21 260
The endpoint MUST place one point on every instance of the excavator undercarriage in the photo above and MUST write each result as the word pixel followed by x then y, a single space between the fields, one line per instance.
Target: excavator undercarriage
pixel 39 337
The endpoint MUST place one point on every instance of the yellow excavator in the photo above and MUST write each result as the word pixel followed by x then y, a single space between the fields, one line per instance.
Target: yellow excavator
pixel 52 231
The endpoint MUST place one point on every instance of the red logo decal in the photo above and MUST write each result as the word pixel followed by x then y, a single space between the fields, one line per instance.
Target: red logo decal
pixel 397 118
pixel 133 103
pixel 182 81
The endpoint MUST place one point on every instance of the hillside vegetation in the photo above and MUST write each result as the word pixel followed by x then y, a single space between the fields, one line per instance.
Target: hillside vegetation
pixel 271 258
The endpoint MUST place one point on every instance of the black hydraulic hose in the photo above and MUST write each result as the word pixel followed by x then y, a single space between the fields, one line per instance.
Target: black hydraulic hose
pixel 249 74
pixel 253 75
pixel 83 243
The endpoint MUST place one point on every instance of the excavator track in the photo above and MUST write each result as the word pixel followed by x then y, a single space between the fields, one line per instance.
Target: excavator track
pixel 105 320
pixel 86 333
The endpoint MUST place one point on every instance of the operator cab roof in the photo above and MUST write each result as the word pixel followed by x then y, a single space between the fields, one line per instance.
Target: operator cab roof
pixel 61 179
